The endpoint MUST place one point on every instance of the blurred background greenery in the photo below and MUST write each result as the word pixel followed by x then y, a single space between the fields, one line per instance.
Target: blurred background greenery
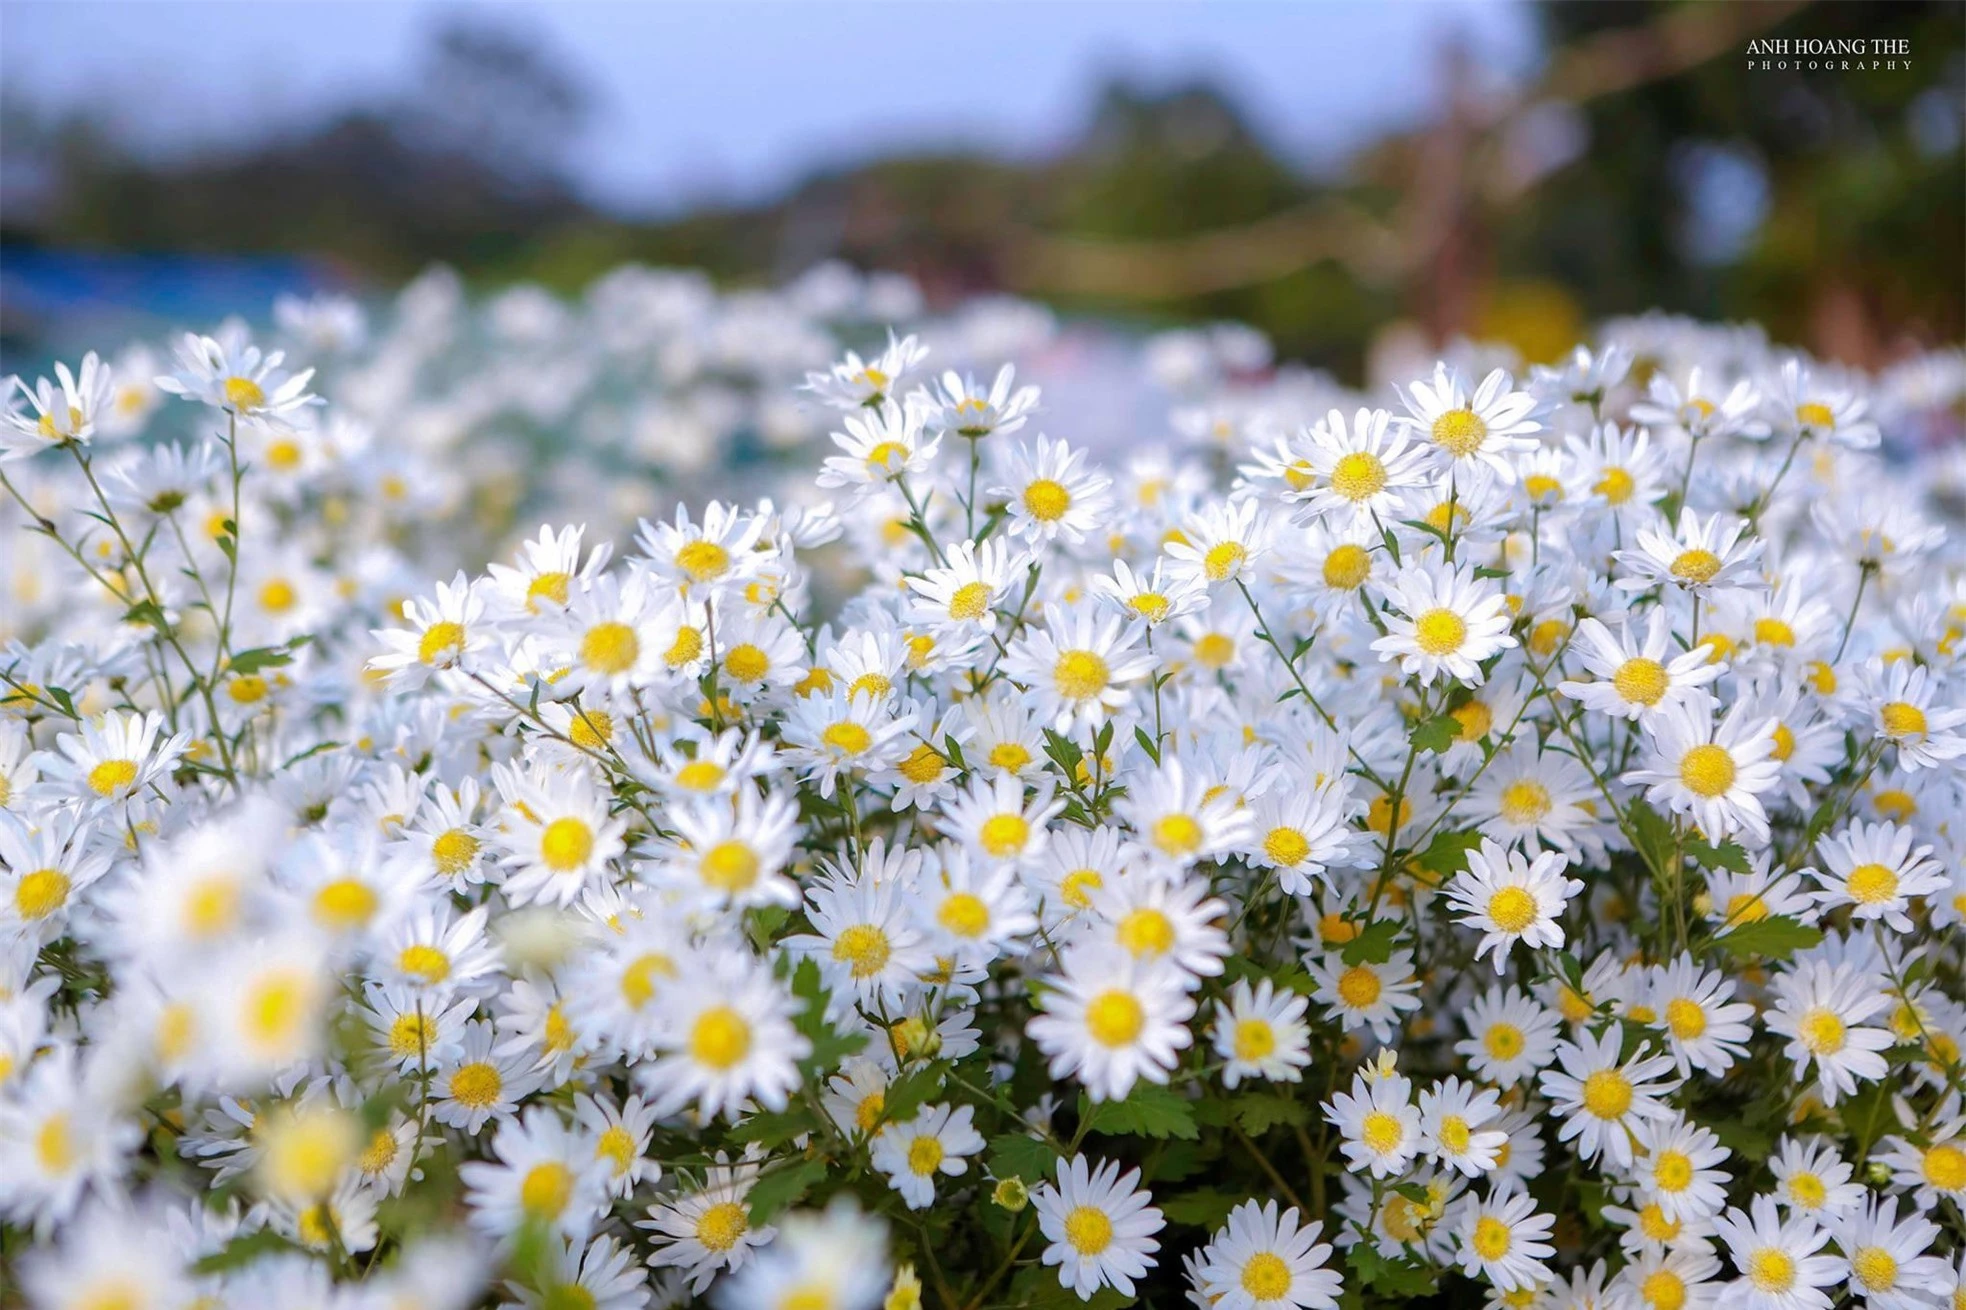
pixel 1640 162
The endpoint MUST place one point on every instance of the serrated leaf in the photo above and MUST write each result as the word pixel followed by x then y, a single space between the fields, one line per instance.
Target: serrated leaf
pixel 777 1188
pixel 1436 735
pixel 1447 853
pixel 1652 834
pixel 1204 1207
pixel 1149 1110
pixel 907 1093
pixel 259 657
pixel 1777 937
pixel 1727 855
pixel 1259 1112
pixel 1372 946
pixel 1016 1155
pixel 776 1129
pixel 1396 1278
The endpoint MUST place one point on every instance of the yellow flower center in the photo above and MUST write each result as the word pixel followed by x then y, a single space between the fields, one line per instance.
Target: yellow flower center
pixel 546 1189
pixel 1460 432
pixel 1286 847
pixel 1088 1230
pixel 685 649
pixel 1903 721
pixel 1608 1094
pixel 969 602
pixel 1146 931
pixel 41 893
pixel 1707 770
pixel 441 644
pixel 1808 1191
pixel 1265 1276
pixel 1525 801
pixel 1663 1290
pixel 1004 835
pixel 453 851
pixel 1503 1041
pixel 565 844
pixel 1616 485
pixel 112 777
pixel 964 914
pixel 477 1085
pixel 1115 1018
pixel 547 586
pixel 1542 487
pixel 1814 414
pixel 746 663
pixel 1214 650
pixel 1046 500
pixel 1381 1132
pixel 1255 1039
pixel 719 1227
pixel 1076 887
pixel 1512 909
pixel 1672 1171
pixel 1223 561
pixel 1695 567
pixel 344 904
pixel 1080 675
pixel 1440 631
pixel 720 1038
pixel 1822 1031
pixel 1177 835
pixel 847 737
pixel 610 648
pixel 1491 1238
pixel 1347 567
pixel 244 393
pixel 1945 1168
pixel 426 964
pixel 1685 1018
pixel 1874 1268
pixel 729 867
pixel 1641 681
pixel 1358 475
pixel 1359 987
pixel 702 561
pixel 864 949
pixel 1870 884
pixel 1771 1270
pixel 924 1156
pixel 1773 632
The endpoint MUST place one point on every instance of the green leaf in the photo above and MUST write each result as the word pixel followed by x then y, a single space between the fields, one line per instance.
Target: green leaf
pixel 1374 945
pixel 1204 1207
pixel 147 611
pixel 1776 938
pixel 1447 853
pixel 1015 1155
pixel 1396 1278
pixel 777 1128
pixel 1436 735
pixel 1259 1112
pixel 829 1045
pixel 779 1187
pixel 259 657
pixel 1150 1110
pixel 1869 1114
pixel 1652 834
pixel 1147 744
pixel 1727 855
pixel 907 1093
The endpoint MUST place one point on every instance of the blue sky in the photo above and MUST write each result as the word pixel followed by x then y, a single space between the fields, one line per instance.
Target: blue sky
pixel 734 100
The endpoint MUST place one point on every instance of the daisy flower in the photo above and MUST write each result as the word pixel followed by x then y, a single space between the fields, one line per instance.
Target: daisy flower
pixel 1447 622
pixel 1366 994
pixel 1637 680
pixel 62 414
pixel 732 854
pixel 1051 492
pixel 1603 1100
pixel 997 822
pixel 1260 1032
pixel 1509 1037
pixel 1153 598
pixel 1378 1122
pixel 544 1173
pixel 1812 1179
pixel 1777 1259
pixel 853 383
pixel 1889 1260
pixel 1810 407
pixel 246 383
pixel 557 837
pixel 938 1140
pixel 834 1259
pixel 973 412
pixel 864 940
pixel 1098 1226
pixel 837 734
pixel 1822 1009
pixel 1703 1029
pixel 1511 899
pixel 963 592
pixel 1701 411
pixel 1110 1019
pixel 1487 428
pixel 728 1042
pixel 1874 869
pixel 1221 543
pixel 975 914
pixel 1262 1260
pixel 1303 833
pixel 1900 698
pixel 706 1231
pixel 1704 555
pixel 116 756
pixel 1929 1172
pixel 1678 1168
pixel 1451 1132
pixel 1714 774
pixel 1362 470
pixel 1504 1239
pixel 1076 668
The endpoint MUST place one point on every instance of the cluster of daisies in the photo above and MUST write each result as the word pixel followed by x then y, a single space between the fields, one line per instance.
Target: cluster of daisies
pixel 1501 834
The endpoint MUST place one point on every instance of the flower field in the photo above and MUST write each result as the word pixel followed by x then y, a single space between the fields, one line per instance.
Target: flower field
pixel 691 797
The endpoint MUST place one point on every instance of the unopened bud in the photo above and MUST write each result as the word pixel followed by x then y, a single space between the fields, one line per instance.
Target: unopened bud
pixel 1012 1195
